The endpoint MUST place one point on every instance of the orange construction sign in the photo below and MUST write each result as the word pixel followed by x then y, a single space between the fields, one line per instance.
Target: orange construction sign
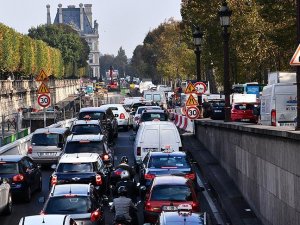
pixel 190 89
pixel 42 76
pixel 43 89
pixel 191 101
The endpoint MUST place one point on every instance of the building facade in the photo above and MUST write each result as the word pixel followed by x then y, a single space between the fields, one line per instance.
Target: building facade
pixel 81 20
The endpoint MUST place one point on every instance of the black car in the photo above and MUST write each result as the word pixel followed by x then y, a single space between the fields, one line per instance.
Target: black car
pixel 165 163
pixel 217 110
pixel 23 174
pixel 83 168
pixel 80 201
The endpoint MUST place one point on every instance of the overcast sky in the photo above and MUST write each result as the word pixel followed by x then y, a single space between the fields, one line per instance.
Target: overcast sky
pixel 121 22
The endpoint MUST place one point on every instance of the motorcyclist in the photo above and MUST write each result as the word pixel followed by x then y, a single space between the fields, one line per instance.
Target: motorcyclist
pixel 130 185
pixel 123 206
pixel 125 166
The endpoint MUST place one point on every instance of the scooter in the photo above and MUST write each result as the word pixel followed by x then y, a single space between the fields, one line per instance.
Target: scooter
pixel 121 220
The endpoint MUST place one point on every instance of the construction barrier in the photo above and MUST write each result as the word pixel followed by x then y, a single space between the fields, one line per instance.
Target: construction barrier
pixel 182 122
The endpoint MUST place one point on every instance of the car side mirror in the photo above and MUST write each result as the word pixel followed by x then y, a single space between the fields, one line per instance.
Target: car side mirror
pixel 143 188
pixel 54 166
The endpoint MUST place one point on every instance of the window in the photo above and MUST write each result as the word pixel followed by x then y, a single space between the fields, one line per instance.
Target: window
pixel 152 116
pixel 148 97
pixel 86 129
pixel 45 139
pixel 168 162
pixel 6 168
pixel 156 98
pixel 89 146
pixel 75 167
pixel 171 193
pixel 244 107
pixel 91 115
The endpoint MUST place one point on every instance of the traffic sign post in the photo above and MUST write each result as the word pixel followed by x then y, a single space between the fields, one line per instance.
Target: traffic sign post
pixel 191 101
pixel 43 89
pixel 44 100
pixel 192 112
pixel 42 76
pixel 190 89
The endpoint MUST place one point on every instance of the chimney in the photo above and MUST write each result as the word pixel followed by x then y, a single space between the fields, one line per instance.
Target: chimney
pixel 60 17
pixel 48 15
pixel 88 12
pixel 81 16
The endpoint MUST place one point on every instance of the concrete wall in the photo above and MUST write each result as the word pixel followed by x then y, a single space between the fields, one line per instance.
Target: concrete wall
pixel 264 162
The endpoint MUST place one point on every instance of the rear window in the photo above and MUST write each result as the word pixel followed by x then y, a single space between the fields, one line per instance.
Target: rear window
pixel 218 104
pixel 114 108
pixel 6 168
pixel 78 147
pixel 168 162
pixel 45 139
pixel 153 116
pixel 86 129
pixel 156 97
pixel 68 205
pixel 243 107
pixel 171 193
pixel 91 115
pixel 148 97
pixel 75 167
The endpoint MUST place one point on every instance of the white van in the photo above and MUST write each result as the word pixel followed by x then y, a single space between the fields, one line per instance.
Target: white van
pixel 156 136
pixel 156 96
pixel 279 105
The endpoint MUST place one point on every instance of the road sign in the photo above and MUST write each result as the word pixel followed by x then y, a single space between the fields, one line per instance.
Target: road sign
pixel 44 100
pixel 191 101
pixel 42 76
pixel 190 89
pixel 200 88
pixel 295 61
pixel 192 112
pixel 43 89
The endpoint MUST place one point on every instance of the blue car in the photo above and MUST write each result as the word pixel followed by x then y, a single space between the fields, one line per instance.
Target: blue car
pixel 23 174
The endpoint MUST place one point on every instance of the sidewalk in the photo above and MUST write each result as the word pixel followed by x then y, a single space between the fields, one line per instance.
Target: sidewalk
pixel 220 184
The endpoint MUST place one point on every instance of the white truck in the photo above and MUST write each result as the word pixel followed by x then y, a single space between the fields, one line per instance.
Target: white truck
pixel 156 96
pixel 279 100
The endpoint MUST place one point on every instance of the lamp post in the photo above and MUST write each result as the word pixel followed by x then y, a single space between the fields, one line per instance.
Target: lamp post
pixel 197 36
pixel 224 15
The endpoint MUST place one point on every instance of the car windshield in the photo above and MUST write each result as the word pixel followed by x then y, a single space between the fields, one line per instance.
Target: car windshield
pixel 86 129
pixel 91 115
pixel 6 168
pixel 244 107
pixel 84 146
pixel 171 193
pixel 168 162
pixel 153 116
pixel 45 139
pixel 75 167
pixel 68 205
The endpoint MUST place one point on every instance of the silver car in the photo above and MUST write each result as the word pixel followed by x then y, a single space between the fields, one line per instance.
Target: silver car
pixel 5 197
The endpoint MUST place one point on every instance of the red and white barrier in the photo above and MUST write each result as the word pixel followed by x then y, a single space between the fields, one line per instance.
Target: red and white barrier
pixel 184 123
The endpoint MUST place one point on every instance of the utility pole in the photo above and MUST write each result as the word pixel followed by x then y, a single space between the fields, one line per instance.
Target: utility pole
pixel 298 69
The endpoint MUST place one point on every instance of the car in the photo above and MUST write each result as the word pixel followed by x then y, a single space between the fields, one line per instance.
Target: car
pixel 23 174
pixel 47 220
pixel 89 143
pixel 172 215
pixel 153 115
pixel 243 112
pixel 139 112
pixel 217 110
pixel 169 191
pixel 5 197
pixel 141 102
pixel 80 201
pixel 81 168
pixel 166 162
pixel 86 127
pixel 121 115
pixel 105 115
pixel 47 144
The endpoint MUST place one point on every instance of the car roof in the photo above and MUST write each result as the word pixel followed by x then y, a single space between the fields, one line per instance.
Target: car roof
pixel 149 123
pixel 175 218
pixel 79 157
pixel 167 153
pixel 64 189
pixel 11 158
pixel 82 122
pixel 154 111
pixel 44 219
pixel 149 106
pixel 85 137
pixel 50 130
pixel 91 109
pixel 173 180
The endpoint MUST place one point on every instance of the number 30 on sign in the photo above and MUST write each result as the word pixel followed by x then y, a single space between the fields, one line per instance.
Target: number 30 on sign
pixel 44 100
pixel 192 112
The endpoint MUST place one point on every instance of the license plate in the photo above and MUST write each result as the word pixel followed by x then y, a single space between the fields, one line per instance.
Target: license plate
pixel 245 120
pixel 169 208
pixel 150 149
pixel 47 154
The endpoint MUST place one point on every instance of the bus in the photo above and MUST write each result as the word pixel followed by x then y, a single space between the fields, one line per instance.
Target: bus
pixel 248 88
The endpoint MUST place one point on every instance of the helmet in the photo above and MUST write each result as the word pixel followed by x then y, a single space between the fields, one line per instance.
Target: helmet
pixel 122 191
pixel 124 159
pixel 125 175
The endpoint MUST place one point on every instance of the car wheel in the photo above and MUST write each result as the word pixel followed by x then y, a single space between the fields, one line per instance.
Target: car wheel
pixel 8 207
pixel 40 187
pixel 27 197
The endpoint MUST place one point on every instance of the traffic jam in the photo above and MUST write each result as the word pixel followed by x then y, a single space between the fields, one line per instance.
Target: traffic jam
pixel 153 182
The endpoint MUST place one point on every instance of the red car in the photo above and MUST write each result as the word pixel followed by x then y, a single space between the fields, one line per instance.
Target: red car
pixel 169 191
pixel 243 112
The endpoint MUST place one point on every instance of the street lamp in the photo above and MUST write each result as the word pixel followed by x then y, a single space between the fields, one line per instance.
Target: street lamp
pixel 197 36
pixel 224 15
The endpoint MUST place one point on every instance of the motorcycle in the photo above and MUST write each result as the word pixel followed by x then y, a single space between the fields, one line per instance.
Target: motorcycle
pixel 121 220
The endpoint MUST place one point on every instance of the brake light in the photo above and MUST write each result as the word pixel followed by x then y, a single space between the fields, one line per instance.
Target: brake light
pixel 138 151
pixel 190 176
pixel 54 180
pixel 149 176
pixel 273 117
pixel 118 172
pixel 195 206
pixel 18 178
pixel 29 151
pixel 98 179
pixel 122 116
pixel 95 216
pixel 152 209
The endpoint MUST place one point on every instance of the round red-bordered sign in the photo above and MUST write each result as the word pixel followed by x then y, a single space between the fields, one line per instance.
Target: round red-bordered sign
pixel 200 88
pixel 44 100
pixel 192 112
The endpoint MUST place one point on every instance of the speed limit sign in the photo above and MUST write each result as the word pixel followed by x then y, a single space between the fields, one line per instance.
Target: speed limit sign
pixel 44 100
pixel 192 112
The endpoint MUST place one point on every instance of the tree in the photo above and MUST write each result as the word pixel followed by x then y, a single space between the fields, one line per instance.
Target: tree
pixel 121 61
